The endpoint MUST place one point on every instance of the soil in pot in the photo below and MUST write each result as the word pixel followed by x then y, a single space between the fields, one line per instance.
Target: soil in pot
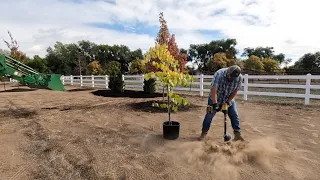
pixel 171 130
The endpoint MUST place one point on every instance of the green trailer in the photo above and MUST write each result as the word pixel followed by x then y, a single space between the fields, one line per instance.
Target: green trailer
pixel 14 69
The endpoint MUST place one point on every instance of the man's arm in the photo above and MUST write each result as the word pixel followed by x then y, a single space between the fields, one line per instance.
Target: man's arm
pixel 214 86
pixel 235 92
pixel 214 94
pixel 232 95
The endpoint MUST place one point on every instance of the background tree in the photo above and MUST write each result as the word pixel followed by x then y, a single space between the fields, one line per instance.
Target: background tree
pixel 137 67
pixel 5 52
pixel 202 53
pixel 39 64
pixel 253 65
pixel 94 68
pixel 218 61
pixel 264 52
pixel 15 53
pixel 308 63
pixel 270 66
pixel 112 66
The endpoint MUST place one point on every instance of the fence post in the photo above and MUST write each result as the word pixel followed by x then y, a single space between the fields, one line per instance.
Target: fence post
pixel 81 81
pixel 201 85
pixel 308 84
pixel 62 77
pixel 142 81
pixel 71 80
pixel 246 82
pixel 92 79
pixel 123 81
pixel 107 81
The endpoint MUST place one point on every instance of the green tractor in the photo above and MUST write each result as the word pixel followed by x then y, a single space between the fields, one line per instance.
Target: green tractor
pixel 14 69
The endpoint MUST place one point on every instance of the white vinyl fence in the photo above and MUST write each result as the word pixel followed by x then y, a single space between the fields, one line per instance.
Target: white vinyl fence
pixel 202 83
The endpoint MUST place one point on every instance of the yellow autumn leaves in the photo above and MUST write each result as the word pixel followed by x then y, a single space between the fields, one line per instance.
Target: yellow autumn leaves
pixel 170 74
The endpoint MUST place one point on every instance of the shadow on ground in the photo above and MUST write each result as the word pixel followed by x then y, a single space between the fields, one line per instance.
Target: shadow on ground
pixel 19 113
pixel 18 90
pixel 80 89
pixel 126 93
pixel 148 107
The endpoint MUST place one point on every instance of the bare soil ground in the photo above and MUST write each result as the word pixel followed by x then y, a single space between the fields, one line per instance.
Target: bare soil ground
pixel 79 135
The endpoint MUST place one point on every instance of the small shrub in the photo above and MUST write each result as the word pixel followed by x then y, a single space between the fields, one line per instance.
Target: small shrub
pixel 116 83
pixel 149 86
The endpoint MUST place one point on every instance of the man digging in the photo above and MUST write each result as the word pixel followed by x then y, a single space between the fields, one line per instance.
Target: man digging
pixel 224 87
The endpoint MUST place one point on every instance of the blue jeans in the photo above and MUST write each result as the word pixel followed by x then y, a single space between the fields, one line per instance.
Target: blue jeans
pixel 232 113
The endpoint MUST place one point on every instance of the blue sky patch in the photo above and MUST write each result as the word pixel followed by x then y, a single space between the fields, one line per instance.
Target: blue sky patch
pixel 137 28
pixel 212 34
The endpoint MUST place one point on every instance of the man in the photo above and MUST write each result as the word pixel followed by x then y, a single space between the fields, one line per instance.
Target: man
pixel 224 87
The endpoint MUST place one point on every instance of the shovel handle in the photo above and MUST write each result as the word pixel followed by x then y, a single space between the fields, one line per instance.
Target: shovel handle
pixel 225 124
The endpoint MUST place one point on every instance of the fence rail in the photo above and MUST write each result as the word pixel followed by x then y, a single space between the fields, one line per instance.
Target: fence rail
pixel 202 84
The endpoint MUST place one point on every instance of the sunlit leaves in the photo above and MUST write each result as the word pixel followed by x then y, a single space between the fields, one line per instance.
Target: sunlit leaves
pixel 254 64
pixel 169 74
pixel 94 67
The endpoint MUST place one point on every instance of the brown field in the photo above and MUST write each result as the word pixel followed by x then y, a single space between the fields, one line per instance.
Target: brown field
pixel 78 135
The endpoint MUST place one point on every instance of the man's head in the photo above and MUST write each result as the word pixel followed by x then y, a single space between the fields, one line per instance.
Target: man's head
pixel 233 72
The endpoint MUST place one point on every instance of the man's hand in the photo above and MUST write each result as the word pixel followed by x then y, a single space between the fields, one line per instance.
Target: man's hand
pixel 228 103
pixel 213 107
pixel 216 107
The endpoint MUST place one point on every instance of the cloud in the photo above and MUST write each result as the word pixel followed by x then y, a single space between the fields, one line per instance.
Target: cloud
pixel 288 26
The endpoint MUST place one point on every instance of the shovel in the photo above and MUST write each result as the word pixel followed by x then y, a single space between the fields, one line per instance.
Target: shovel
pixel 227 136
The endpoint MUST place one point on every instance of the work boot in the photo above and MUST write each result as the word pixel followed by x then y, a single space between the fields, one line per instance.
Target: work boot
pixel 237 136
pixel 203 135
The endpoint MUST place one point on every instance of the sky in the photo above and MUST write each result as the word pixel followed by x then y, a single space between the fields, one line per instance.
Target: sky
pixel 289 26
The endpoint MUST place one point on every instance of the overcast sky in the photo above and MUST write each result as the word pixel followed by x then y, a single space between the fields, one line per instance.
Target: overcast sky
pixel 291 27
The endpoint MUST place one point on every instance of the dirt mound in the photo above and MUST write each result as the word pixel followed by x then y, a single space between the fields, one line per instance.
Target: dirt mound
pixel 225 161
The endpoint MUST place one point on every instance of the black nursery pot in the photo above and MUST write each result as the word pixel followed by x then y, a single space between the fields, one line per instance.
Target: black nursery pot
pixel 171 130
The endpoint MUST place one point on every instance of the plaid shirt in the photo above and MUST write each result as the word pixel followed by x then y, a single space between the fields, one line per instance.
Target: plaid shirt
pixel 224 87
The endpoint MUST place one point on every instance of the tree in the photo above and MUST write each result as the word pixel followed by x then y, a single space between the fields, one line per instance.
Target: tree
pixel 287 61
pixel 63 59
pixel 260 52
pixel 5 52
pixel 15 53
pixel 169 75
pixel 94 68
pixel 39 64
pixel 308 63
pixel 270 66
pixel 181 57
pixel 218 61
pixel 264 52
pixel 119 53
pixel 164 37
pixel 253 65
pixel 202 53
pixel 112 66
pixel 137 67
pixel 116 83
